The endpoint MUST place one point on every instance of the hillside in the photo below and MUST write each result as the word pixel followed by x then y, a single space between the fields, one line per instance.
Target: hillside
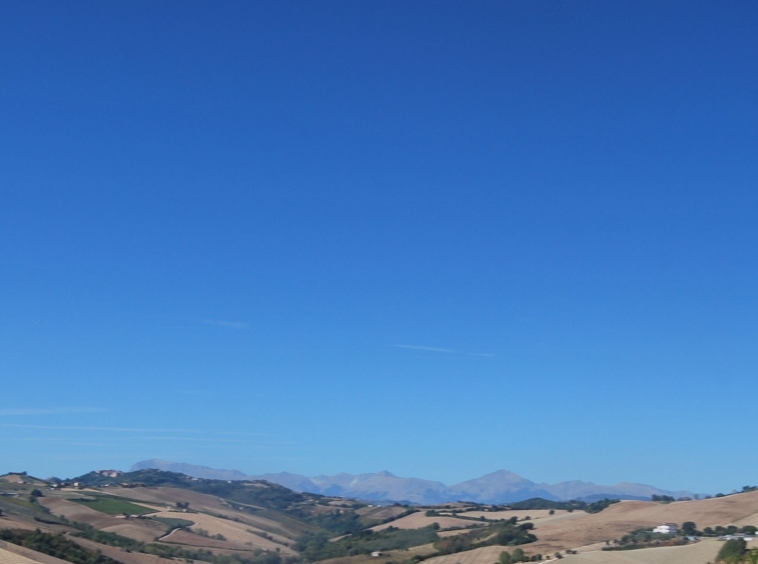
pixel 156 517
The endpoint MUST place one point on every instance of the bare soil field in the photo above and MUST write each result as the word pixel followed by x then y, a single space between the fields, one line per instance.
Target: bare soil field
pixel 12 558
pixel 77 512
pixel 381 513
pixel 234 532
pixel 185 539
pixel 28 554
pixel 621 518
pixel 519 514
pixel 484 555
pixel 419 520
pixel 123 556
pixel 696 553
pixel 143 530
pixel 164 497
pixel 161 498
pixel 11 522
pixel 390 555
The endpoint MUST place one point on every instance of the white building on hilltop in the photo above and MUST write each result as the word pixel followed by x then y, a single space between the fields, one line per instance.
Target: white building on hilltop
pixel 667 529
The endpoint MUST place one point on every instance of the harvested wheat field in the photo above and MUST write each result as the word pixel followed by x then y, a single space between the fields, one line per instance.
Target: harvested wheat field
pixel 185 539
pixel 583 528
pixel 232 531
pixel 143 530
pixel 419 520
pixel 519 514
pixel 78 512
pixel 123 556
pixel 163 496
pixel 381 513
pixel 484 555
pixel 400 555
pixel 160 498
pixel 11 558
pixel 12 522
pixel 29 555
pixel 696 553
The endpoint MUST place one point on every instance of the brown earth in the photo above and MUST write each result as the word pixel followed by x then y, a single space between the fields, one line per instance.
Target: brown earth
pixel 142 529
pixel 21 555
pixel 78 512
pixel 696 553
pixel 419 520
pixel 484 555
pixel 579 528
pixel 235 532
pixel 519 514
pixel 381 513
pixel 161 498
pixel 123 556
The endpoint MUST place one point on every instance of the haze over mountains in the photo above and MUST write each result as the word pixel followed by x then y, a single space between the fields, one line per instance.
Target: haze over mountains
pixel 501 486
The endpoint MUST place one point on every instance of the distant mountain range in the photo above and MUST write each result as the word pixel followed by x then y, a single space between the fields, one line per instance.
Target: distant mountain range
pixel 501 486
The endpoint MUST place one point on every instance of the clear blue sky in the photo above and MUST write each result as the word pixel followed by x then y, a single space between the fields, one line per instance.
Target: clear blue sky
pixel 437 238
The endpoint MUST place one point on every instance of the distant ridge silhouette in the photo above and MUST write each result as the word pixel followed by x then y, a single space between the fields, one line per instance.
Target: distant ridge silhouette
pixel 501 486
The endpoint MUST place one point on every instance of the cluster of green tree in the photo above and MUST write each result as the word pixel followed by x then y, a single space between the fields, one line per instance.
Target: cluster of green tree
pixel 735 551
pixel 730 530
pixel 663 498
pixel 54 545
pixel 504 534
pixel 540 503
pixel 169 551
pixel 645 538
pixel 317 546
pixel 337 522
pixel 517 556
pixel 111 539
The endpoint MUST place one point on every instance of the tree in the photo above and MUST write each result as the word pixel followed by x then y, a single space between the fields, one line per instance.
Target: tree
pixel 689 528
pixel 505 557
pixel 517 556
pixel 732 551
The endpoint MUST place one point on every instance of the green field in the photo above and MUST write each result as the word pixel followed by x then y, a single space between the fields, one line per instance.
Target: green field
pixel 173 523
pixel 114 506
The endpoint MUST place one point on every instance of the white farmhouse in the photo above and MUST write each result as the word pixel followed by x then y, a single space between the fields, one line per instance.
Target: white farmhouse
pixel 667 529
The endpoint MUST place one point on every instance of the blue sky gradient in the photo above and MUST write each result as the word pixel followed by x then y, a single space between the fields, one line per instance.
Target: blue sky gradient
pixel 438 238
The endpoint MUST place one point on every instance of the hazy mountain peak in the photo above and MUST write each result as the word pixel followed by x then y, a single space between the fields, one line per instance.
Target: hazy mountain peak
pixel 500 486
